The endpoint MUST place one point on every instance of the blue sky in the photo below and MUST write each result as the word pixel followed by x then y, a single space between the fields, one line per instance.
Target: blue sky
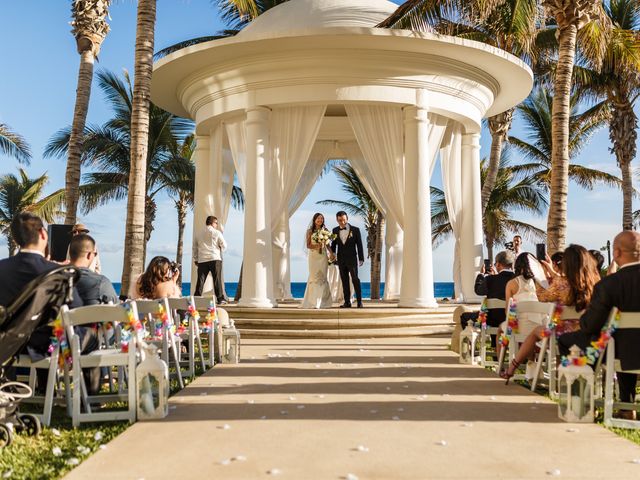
pixel 39 67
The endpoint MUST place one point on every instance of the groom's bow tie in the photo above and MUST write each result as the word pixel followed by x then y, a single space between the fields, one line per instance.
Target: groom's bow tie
pixel 342 228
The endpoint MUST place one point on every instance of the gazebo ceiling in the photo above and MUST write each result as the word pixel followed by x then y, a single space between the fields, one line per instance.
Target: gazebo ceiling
pixel 329 52
pixel 310 14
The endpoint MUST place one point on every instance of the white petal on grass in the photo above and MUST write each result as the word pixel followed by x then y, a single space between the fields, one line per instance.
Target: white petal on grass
pixel 274 471
pixel 291 397
pixel 55 432
pixel 467 424
pixel 57 451
pixel 554 473
pixel 362 448
pixel 636 461
pixel 98 436
pixel 319 396
pixel 239 458
pixel 225 462
pixel 442 443
pixel 573 430
pixel 226 426
pixel 102 447
pixel 7 474
pixel 350 476
pixel 250 402
pixel 73 461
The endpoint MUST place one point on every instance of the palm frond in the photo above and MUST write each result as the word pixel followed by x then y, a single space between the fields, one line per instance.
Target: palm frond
pixel 14 145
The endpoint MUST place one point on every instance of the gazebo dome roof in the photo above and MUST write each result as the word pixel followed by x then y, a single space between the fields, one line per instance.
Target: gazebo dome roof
pixel 313 14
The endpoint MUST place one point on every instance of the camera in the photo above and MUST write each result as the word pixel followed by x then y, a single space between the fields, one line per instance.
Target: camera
pixel 175 267
pixel 509 246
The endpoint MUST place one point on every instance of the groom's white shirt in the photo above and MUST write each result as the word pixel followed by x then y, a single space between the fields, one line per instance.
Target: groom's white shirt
pixel 344 234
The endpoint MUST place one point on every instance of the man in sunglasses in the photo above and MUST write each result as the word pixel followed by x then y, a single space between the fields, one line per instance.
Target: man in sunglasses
pixel 81 229
pixel 93 287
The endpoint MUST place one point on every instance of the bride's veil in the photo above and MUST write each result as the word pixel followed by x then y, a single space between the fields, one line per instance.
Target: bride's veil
pixel 310 229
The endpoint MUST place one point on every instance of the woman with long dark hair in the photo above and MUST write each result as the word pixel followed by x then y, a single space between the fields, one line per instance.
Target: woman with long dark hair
pixel 572 287
pixel 317 294
pixel 158 280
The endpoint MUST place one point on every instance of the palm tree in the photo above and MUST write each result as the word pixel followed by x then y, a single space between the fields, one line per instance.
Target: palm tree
pixel 618 82
pixel 507 24
pixel 18 194
pixel 237 14
pixel 14 145
pixel 535 111
pixel 570 16
pixel 89 27
pixel 134 237
pixel 108 149
pixel 510 194
pixel 361 204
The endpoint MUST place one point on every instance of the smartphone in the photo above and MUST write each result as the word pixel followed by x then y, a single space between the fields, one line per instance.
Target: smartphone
pixel 487 265
pixel 541 251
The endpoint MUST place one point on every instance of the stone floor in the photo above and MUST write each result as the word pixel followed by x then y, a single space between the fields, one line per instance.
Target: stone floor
pixel 401 408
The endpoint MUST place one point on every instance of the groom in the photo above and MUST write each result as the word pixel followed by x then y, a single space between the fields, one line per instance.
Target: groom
pixel 348 244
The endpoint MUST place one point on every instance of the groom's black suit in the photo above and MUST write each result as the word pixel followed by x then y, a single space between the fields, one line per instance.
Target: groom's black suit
pixel 348 254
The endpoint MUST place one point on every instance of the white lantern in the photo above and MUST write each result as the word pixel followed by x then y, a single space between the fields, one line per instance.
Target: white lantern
pixel 575 389
pixel 468 338
pixel 152 381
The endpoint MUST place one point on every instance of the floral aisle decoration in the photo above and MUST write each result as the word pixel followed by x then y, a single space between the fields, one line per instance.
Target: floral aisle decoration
pixel 133 328
pixel 59 339
pixel 211 318
pixel 482 316
pixel 161 321
pixel 595 350
pixel 512 323
pixel 555 319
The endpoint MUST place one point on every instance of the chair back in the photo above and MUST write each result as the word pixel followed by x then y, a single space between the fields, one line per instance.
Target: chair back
pixel 626 321
pixel 495 303
pixel 570 313
pixel 96 314
pixel 541 308
pixel 202 303
pixel 179 303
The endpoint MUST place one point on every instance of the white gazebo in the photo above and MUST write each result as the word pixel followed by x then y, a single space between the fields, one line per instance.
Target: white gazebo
pixel 311 80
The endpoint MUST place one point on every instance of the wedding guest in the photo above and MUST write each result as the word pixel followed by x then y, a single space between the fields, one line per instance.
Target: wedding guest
pixel 599 258
pixel 618 290
pixel 517 245
pixel 493 284
pixel 81 229
pixel 159 280
pixel 93 287
pixel 573 287
pixel 556 261
pixel 208 246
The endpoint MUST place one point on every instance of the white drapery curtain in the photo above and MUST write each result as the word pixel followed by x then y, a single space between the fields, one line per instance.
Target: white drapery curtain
pixel 451 161
pixel 221 171
pixel 238 145
pixel 293 133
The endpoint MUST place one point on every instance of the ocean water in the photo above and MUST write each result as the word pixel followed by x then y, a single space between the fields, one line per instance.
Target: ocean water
pixel 442 289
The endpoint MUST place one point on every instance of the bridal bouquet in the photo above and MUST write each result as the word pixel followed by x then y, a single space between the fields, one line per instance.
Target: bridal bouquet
pixel 323 236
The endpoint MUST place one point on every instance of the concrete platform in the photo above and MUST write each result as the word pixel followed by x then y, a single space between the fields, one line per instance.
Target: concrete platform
pixel 373 409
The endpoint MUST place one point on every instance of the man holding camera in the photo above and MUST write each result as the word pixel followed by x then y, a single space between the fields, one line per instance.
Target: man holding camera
pixel 208 246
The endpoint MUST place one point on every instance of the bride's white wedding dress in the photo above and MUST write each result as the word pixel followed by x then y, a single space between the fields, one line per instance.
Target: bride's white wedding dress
pixel 317 294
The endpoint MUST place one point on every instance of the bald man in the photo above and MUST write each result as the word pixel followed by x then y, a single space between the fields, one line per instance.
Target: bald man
pixel 621 290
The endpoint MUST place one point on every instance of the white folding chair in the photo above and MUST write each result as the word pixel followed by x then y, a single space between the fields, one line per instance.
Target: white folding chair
pixel 485 333
pixel 106 357
pixel 167 343
pixel 53 393
pixel 192 334
pixel 549 350
pixel 214 338
pixel 626 321
pixel 515 339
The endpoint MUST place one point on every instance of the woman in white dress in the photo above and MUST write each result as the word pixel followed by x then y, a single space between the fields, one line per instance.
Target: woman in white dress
pixel 317 294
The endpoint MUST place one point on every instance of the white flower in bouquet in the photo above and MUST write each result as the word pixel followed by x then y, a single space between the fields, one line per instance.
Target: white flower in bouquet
pixel 322 236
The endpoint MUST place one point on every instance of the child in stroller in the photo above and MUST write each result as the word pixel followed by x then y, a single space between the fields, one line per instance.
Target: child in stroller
pixel 37 305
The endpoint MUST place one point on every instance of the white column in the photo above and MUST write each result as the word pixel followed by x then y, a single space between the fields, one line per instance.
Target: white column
pixel 280 255
pixel 203 197
pixel 471 231
pixel 417 265
pixel 257 280
pixel 393 259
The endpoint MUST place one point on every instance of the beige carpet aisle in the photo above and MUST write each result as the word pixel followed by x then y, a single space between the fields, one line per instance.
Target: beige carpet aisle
pixel 359 409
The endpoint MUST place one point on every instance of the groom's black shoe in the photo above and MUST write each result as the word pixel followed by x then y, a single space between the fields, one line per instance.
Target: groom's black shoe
pixel 345 305
pixel 359 304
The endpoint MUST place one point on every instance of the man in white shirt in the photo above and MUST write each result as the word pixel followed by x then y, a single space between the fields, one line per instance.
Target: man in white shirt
pixel 208 246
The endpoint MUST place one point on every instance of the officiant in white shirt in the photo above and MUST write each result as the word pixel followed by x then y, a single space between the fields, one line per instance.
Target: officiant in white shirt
pixel 208 246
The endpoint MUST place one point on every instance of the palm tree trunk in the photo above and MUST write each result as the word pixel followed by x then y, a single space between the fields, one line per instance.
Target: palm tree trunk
pixel 74 153
pixel 13 246
pixel 134 232
pixel 499 126
pixel 181 206
pixel 238 294
pixel 376 257
pixel 623 135
pixel 150 210
pixel 557 218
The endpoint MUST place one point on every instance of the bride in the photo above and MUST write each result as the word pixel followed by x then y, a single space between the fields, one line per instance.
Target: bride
pixel 317 294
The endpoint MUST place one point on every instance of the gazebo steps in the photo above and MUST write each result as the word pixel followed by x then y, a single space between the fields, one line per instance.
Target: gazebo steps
pixel 377 319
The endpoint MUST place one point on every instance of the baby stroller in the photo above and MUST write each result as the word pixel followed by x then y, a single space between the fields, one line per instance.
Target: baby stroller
pixel 37 305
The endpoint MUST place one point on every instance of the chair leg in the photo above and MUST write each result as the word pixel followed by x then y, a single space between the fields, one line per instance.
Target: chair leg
pixel 608 384
pixel 200 350
pixel 541 355
pixel 553 368
pixel 192 353
pixel 131 385
pixel 176 359
pixel 49 391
